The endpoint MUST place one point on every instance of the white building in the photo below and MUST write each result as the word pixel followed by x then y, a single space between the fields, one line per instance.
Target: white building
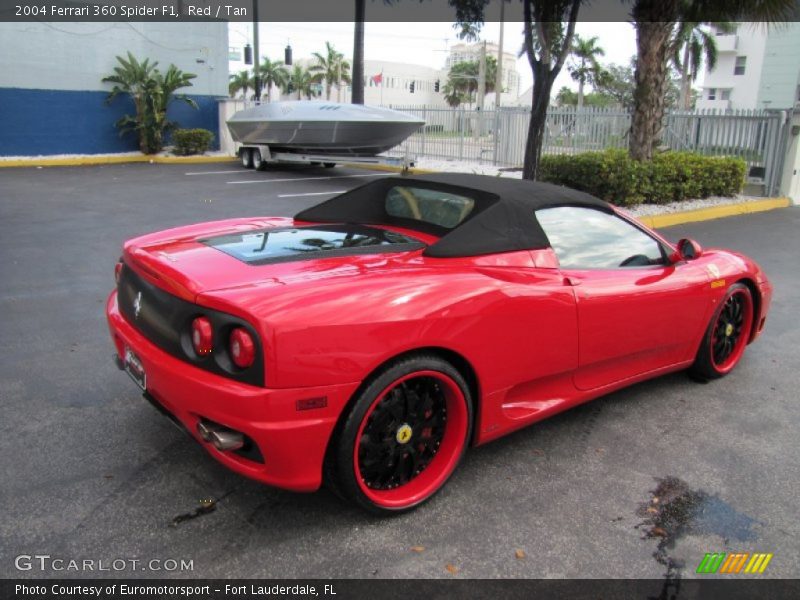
pixel 386 83
pixel 52 97
pixel 757 67
pixel 510 78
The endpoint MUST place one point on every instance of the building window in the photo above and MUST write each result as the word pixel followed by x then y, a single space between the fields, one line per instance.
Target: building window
pixel 741 62
pixel 726 95
pixel 712 93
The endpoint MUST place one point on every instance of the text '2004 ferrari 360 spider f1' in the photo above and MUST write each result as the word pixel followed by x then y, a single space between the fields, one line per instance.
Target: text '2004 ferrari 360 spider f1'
pixel 370 340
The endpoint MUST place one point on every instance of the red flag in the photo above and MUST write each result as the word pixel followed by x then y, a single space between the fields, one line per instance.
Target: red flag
pixel 376 79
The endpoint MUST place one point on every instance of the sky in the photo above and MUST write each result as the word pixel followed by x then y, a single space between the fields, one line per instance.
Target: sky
pixel 420 43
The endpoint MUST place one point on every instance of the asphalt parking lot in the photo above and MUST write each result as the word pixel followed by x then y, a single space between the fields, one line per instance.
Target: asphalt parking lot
pixel 90 470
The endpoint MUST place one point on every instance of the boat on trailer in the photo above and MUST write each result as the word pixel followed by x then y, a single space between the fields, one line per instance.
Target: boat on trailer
pixel 322 128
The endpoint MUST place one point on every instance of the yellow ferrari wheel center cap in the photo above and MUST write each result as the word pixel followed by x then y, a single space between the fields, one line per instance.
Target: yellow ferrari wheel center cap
pixel 404 433
pixel 728 329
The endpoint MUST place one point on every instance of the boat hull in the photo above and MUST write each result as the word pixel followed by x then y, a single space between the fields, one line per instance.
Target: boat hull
pixel 322 128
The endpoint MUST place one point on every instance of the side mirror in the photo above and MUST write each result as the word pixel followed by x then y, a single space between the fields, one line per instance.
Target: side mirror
pixel 687 250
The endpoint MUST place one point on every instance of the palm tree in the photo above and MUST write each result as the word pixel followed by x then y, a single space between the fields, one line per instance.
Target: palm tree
pixel 332 67
pixel 272 73
pixel 240 82
pixel 152 92
pixel 453 95
pixel 463 77
pixel 585 67
pixel 163 95
pixel 655 23
pixel 300 80
pixel 693 41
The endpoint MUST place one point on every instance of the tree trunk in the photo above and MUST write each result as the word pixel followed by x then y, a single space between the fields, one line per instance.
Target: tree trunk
pixel 358 53
pixel 686 81
pixel 543 80
pixel 580 93
pixel 652 43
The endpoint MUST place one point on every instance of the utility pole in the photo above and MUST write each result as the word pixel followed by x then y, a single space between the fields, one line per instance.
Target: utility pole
pixel 257 55
pixel 481 90
pixel 482 76
pixel 498 81
pixel 498 85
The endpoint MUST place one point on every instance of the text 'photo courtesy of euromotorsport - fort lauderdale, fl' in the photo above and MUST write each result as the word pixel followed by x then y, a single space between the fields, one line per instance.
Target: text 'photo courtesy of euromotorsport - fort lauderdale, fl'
pixel 366 299
pixel 173 590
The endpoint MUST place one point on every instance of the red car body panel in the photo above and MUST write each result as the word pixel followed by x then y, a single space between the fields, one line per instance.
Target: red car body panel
pixel 537 339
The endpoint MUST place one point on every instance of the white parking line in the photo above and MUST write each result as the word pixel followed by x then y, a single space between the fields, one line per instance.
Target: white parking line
pixel 215 172
pixel 311 194
pixel 307 178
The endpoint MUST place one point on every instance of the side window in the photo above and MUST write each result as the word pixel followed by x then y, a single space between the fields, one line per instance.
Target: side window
pixel 584 238
pixel 430 206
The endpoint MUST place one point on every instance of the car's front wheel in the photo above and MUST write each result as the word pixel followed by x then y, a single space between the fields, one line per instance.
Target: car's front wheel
pixel 727 335
pixel 404 436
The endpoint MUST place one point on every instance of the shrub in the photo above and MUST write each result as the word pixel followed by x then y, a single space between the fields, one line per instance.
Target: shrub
pixel 672 176
pixel 151 92
pixel 191 141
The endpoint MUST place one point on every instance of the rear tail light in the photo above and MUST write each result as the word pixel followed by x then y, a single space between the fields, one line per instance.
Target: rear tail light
pixel 202 336
pixel 242 348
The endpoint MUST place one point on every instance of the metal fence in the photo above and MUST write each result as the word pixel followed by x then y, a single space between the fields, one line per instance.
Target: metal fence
pixel 498 137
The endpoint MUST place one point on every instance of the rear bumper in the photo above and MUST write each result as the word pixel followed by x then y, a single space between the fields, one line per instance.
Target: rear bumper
pixel 291 442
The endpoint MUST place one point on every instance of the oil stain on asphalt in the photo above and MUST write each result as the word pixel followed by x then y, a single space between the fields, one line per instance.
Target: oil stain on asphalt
pixel 675 510
pixel 205 507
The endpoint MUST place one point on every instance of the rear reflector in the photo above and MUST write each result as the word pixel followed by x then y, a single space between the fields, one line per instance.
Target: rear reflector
pixel 242 348
pixel 202 336
pixel 117 271
pixel 311 403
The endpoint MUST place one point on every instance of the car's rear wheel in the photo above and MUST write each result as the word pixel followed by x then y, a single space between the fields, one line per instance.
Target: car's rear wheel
pixel 726 337
pixel 404 436
pixel 247 158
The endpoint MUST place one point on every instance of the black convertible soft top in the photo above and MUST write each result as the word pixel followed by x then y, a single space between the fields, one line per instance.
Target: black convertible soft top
pixel 503 218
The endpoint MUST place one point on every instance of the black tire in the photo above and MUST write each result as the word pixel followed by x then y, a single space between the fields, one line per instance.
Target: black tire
pixel 328 165
pixel 247 158
pixel 340 465
pixel 258 163
pixel 726 336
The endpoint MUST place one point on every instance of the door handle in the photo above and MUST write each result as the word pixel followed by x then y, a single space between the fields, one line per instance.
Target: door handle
pixel 571 280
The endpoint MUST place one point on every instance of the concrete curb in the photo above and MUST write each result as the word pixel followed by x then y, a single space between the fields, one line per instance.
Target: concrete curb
pixel 713 212
pixel 111 160
pixel 389 169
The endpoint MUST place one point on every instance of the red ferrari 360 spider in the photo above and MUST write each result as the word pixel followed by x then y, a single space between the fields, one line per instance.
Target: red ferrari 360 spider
pixel 370 340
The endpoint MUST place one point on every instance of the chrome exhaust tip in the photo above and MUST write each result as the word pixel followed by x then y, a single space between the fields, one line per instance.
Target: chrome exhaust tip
pixel 225 441
pixel 204 430
pixel 222 439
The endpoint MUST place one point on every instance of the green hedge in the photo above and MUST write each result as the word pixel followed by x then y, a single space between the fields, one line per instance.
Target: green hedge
pixel 672 176
pixel 191 141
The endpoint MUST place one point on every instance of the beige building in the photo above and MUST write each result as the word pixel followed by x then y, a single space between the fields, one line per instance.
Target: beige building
pixel 471 52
